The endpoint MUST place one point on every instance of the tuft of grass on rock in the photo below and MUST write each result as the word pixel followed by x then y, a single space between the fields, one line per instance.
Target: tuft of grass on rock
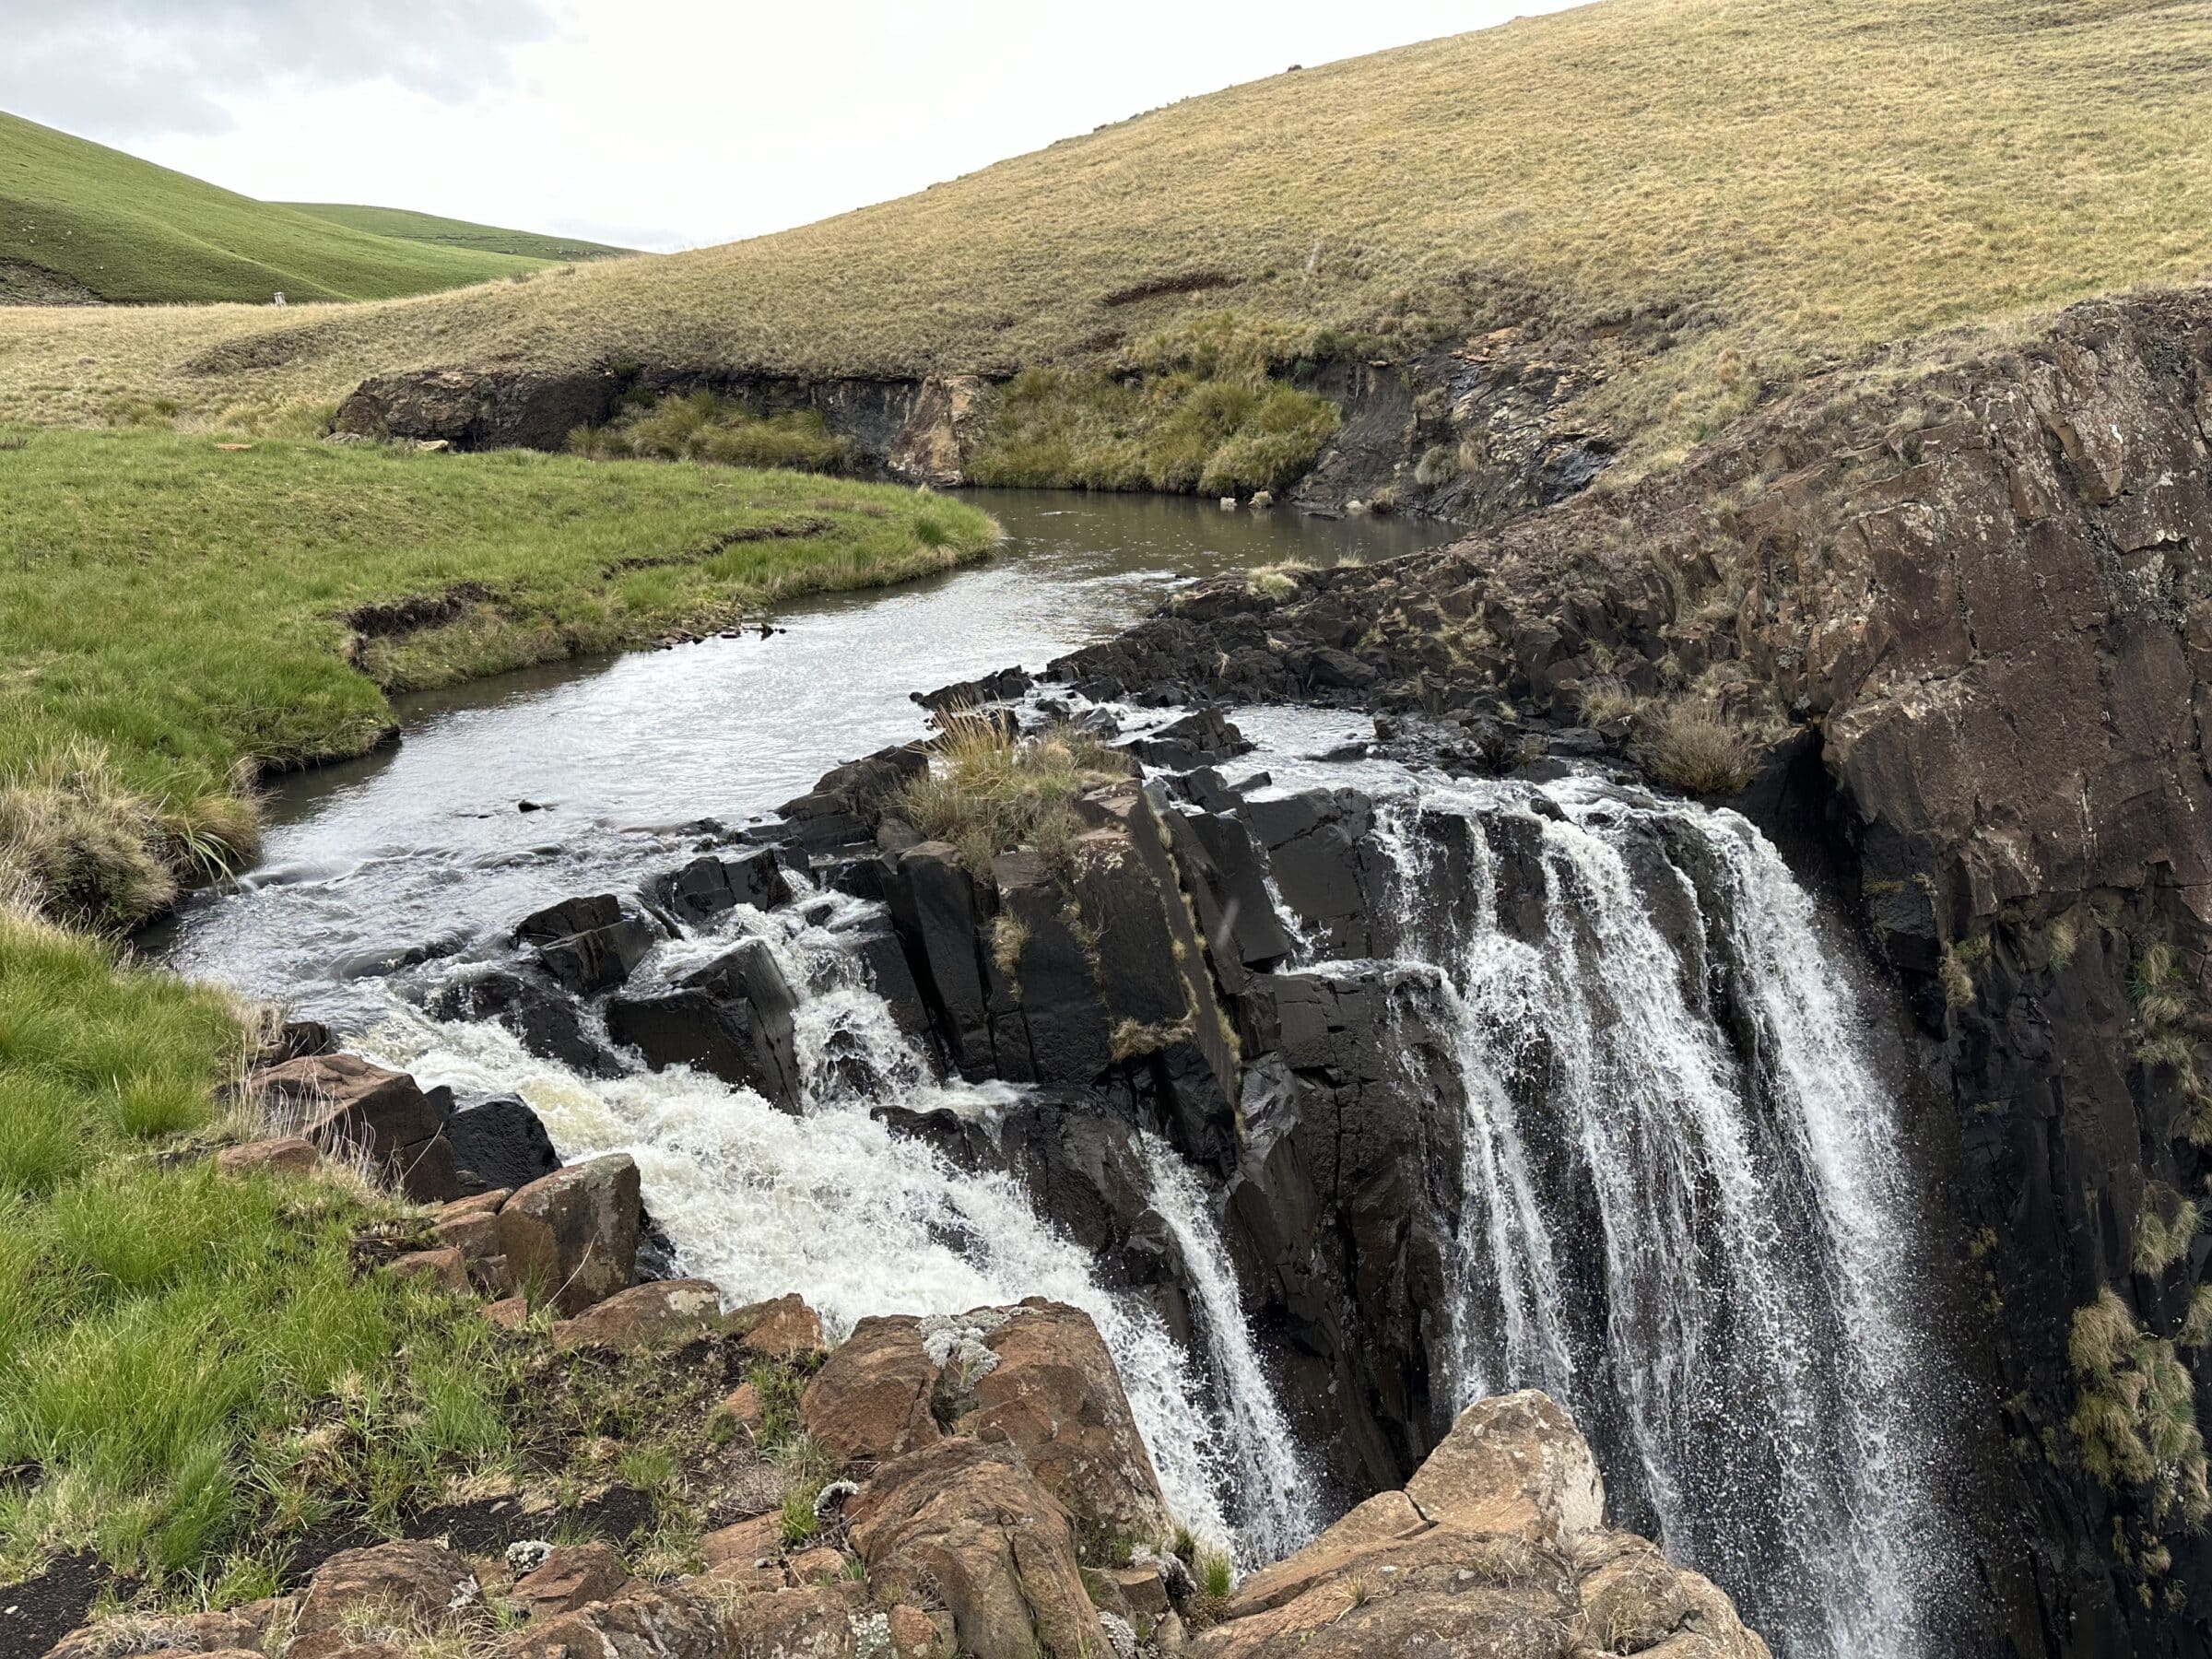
pixel 988 791
pixel 1688 745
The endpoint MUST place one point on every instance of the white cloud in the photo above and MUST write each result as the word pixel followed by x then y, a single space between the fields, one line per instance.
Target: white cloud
pixel 673 122
pixel 129 68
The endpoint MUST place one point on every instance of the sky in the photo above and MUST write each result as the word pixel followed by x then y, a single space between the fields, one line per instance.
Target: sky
pixel 652 123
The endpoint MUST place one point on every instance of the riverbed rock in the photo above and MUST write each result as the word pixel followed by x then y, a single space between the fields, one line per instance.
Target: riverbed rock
pixel 709 885
pixel 571 1236
pixel 731 1019
pixel 1058 1030
pixel 933 899
pixel 502 1143
pixel 343 1102
pixel 966 1524
pixel 587 945
pixel 544 1019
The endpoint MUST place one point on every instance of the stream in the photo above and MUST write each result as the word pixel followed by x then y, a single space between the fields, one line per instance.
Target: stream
pixel 1685 1207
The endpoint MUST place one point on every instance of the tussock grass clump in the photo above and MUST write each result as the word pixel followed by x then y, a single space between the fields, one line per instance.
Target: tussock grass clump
pixel 2135 1415
pixel 1199 411
pixel 1606 698
pixel 705 426
pixel 2166 1032
pixel 2167 1225
pixel 988 791
pixel 1687 744
pixel 176 617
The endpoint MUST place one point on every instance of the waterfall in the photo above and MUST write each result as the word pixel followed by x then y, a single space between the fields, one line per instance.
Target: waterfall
pixel 1278 1510
pixel 860 1221
pixel 1685 1212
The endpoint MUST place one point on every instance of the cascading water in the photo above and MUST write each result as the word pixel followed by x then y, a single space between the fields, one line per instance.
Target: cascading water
pixel 1279 1512
pixel 1684 1212
pixel 861 1221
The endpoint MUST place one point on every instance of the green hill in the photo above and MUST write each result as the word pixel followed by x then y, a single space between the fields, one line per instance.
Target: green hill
pixel 457 233
pixel 80 221
pixel 1775 185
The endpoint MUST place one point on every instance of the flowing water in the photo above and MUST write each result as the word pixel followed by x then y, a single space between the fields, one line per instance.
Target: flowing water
pixel 1683 1212
pixel 1685 1209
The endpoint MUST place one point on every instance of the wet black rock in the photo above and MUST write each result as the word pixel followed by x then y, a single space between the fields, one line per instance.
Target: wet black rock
pixel 500 1143
pixel 708 886
pixel 543 1021
pixel 589 945
pixel 1202 738
pixel 731 1018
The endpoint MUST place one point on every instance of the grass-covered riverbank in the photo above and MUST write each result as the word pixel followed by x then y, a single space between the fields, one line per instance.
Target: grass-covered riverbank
pixel 194 1370
pixel 177 616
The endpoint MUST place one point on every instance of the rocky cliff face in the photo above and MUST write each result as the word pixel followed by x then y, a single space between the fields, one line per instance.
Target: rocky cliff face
pixel 1963 619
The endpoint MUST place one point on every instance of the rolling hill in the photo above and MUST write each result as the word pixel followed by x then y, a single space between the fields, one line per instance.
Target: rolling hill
pixel 1765 186
pixel 437 232
pixel 81 222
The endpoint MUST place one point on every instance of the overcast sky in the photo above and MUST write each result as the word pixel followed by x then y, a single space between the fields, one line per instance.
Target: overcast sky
pixel 661 124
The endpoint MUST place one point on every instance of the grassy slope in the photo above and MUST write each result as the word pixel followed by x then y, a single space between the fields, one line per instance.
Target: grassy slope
pixel 165 1332
pixel 170 610
pixel 408 226
pixel 1803 180
pixel 134 232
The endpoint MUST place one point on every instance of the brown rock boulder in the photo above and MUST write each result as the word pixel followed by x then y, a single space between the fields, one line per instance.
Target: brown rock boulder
pixel 1497 1547
pixel 572 1576
pixel 639 1622
pixel 446 1268
pixel 1039 1377
pixel 818 1621
pixel 1512 1464
pixel 572 1236
pixel 871 1398
pixel 284 1155
pixel 965 1523
pixel 645 1314
pixel 409 1582
pixel 785 1328
pixel 345 1102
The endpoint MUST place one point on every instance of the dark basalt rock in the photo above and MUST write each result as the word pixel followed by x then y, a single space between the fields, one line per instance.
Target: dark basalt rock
pixel 731 1018
pixel 1321 849
pixel 933 902
pixel 1057 1032
pixel 588 945
pixel 502 1143
pixel 1002 687
pixel 709 887
pixel 545 1022
pixel 1203 739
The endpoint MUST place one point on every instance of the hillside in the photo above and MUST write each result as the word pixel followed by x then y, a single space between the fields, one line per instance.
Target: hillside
pixel 81 222
pixel 1748 187
pixel 437 232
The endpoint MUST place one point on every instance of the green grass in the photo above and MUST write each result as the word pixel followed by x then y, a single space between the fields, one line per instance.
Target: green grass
pixel 167 1334
pixel 702 426
pixel 173 617
pixel 106 225
pixel 408 226
pixel 1760 186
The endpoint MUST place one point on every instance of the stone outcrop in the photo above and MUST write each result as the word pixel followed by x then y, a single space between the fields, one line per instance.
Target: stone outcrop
pixel 731 1019
pixel 1498 1545
pixel 966 1524
pixel 1961 619
pixel 342 1103
pixel 572 1236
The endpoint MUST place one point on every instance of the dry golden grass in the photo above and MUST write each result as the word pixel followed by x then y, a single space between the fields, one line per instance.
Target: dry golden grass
pixel 1795 180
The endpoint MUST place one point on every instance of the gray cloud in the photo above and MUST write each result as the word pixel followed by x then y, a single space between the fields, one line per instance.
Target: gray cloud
pixel 133 68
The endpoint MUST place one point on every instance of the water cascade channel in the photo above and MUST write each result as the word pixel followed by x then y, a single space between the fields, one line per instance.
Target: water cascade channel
pixel 1682 1205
